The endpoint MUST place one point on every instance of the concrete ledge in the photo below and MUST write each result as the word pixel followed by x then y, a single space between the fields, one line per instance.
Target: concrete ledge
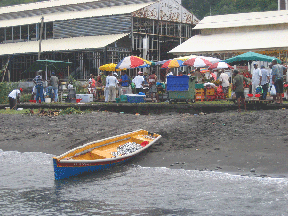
pixel 155 108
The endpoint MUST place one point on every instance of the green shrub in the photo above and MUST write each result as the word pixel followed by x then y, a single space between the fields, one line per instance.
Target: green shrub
pixel 5 89
pixel 71 110
pixel 25 97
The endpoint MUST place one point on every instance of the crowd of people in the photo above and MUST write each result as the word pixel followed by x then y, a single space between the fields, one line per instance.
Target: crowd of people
pixel 114 86
pixel 38 89
pixel 262 81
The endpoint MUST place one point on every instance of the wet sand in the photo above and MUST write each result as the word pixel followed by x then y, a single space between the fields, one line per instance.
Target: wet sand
pixel 253 143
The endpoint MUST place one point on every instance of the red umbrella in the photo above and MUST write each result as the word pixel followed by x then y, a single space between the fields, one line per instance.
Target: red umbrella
pixel 197 62
pixel 220 65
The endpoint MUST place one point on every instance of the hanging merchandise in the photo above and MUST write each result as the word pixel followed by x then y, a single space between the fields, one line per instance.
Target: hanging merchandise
pixel 273 90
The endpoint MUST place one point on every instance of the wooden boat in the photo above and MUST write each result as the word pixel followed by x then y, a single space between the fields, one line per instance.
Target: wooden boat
pixel 102 154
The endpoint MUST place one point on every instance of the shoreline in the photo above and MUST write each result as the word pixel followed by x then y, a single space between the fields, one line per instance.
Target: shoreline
pixel 252 143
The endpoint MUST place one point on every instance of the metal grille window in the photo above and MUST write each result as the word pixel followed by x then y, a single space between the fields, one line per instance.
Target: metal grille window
pixel 2 35
pixel 9 34
pixel 24 32
pixel 32 32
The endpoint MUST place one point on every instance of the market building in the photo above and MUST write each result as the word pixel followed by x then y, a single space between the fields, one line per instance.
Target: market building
pixel 90 33
pixel 225 36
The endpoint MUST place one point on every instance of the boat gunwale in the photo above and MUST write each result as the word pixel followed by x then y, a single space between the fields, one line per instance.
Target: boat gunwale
pixel 106 159
pixel 110 159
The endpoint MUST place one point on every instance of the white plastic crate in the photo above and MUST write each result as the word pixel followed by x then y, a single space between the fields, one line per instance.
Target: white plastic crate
pixel 86 98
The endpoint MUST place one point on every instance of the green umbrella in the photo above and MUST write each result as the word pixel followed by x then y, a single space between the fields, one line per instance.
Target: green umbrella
pixel 46 65
pixel 251 56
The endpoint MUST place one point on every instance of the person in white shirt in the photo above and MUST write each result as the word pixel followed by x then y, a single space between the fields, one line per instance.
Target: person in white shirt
pixel 117 86
pixel 13 96
pixel 138 81
pixel 255 78
pixel 264 81
pixel 106 90
pixel 111 83
pixel 224 78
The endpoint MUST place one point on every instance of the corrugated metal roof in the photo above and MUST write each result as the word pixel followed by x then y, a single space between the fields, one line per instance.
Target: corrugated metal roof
pixel 243 19
pixel 76 43
pixel 229 42
pixel 41 5
pixel 74 15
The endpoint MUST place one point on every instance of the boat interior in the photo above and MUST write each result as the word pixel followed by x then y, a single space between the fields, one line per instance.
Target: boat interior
pixel 102 149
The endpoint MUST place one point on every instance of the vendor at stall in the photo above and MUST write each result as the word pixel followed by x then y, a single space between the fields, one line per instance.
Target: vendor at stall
pixel 125 83
pixel 139 81
pixel 99 82
pixel 152 86
pixel 199 76
pixel 92 82
pixel 92 85
pixel 224 79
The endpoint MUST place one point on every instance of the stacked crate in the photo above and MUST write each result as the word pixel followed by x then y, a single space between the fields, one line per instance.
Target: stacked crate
pixel 210 94
pixel 199 92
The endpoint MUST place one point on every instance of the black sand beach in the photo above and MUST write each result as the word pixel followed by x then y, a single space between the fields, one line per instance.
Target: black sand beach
pixel 251 143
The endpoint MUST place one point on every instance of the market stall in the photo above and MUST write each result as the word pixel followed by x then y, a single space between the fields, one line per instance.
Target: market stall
pixel 250 57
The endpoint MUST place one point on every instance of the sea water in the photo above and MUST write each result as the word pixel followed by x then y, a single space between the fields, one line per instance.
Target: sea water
pixel 27 187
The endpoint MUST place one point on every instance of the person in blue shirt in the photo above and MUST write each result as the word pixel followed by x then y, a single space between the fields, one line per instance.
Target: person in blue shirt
pixel 124 82
pixel 39 86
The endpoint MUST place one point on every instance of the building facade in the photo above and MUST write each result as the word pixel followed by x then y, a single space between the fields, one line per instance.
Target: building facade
pixel 90 33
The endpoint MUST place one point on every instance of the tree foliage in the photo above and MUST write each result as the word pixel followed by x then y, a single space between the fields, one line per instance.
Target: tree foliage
pixel 202 8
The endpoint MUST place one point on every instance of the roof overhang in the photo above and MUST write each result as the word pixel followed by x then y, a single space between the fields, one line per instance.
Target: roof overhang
pixel 234 42
pixel 41 5
pixel 243 19
pixel 64 44
pixel 108 11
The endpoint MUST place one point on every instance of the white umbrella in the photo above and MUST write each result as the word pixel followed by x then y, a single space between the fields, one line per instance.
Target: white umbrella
pixel 197 62
pixel 211 59
pixel 220 65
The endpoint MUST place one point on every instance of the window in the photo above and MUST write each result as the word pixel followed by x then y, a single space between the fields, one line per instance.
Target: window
pixel 49 30
pixel 16 33
pixel 32 32
pixel 2 35
pixel 9 34
pixel 24 32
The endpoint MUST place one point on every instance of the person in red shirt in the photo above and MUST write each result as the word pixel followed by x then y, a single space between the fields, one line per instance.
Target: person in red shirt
pixel 92 85
pixel 92 81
